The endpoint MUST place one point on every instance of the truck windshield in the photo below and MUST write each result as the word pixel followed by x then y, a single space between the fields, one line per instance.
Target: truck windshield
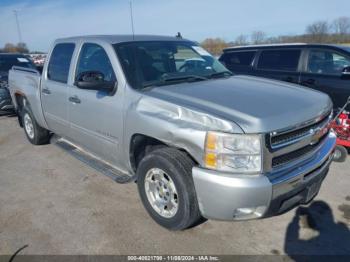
pixel 154 63
pixel 8 61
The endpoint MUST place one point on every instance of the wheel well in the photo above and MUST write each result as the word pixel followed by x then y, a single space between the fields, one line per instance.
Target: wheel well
pixel 141 145
pixel 20 103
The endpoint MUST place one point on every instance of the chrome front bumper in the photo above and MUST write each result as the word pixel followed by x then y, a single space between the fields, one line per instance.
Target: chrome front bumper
pixel 225 196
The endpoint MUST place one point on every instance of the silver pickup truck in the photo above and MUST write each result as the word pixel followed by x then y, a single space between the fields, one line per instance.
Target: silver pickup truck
pixel 163 112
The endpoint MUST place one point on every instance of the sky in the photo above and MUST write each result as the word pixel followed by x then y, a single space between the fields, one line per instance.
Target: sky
pixel 42 21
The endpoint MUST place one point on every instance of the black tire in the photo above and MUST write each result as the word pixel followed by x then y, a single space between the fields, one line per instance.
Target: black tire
pixel 178 166
pixel 41 135
pixel 340 154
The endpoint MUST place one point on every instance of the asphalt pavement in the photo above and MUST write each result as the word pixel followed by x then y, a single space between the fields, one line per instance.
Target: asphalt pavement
pixel 56 204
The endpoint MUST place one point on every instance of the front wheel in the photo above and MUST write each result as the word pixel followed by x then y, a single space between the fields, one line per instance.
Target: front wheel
pixel 166 188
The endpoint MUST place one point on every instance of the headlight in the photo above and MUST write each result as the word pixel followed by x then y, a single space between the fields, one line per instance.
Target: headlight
pixel 239 153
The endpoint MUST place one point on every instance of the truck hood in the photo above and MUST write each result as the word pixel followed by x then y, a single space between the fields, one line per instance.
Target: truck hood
pixel 257 105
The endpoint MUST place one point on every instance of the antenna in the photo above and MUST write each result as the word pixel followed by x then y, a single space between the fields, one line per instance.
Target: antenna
pixel 18 28
pixel 132 21
pixel 178 35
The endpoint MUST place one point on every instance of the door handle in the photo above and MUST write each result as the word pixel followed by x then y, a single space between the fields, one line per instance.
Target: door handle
pixel 309 81
pixel 46 91
pixel 74 99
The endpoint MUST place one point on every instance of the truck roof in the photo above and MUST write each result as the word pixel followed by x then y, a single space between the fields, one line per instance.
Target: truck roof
pixel 284 45
pixel 114 39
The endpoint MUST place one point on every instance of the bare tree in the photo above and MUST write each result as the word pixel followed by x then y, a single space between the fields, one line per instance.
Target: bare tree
pixel 10 48
pixel 258 37
pixel 214 45
pixel 22 48
pixel 318 28
pixel 318 31
pixel 341 25
pixel 241 40
pixel 19 48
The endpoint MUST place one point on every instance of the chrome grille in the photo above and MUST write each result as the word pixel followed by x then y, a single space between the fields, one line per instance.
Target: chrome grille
pixel 294 155
pixel 298 144
pixel 287 138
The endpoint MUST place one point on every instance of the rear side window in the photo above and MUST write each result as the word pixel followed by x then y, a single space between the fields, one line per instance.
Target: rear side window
pixel 60 60
pixel 238 58
pixel 282 60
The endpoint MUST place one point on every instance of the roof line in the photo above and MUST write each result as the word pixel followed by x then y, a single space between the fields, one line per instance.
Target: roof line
pixel 265 45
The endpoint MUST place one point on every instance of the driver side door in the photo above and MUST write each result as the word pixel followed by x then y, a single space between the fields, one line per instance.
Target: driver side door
pixel 95 116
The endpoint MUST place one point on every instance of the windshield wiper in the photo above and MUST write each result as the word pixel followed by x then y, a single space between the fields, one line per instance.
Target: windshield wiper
pixel 220 74
pixel 176 79
pixel 186 77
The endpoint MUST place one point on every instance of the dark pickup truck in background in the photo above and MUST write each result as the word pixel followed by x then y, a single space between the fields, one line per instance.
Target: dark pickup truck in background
pixel 7 61
pixel 322 67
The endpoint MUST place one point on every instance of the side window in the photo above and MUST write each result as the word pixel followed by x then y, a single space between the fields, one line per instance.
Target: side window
pixel 60 60
pixel 282 60
pixel 94 58
pixel 326 62
pixel 238 58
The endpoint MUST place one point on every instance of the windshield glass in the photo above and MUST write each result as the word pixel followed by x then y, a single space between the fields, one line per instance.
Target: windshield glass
pixel 167 62
pixel 8 61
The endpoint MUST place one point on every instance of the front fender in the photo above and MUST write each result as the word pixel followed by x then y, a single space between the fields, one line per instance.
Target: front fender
pixel 172 124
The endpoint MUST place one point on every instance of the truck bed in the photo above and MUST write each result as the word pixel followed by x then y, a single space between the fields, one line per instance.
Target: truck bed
pixel 26 82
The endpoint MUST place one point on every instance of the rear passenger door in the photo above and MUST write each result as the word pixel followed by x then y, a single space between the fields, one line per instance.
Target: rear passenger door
pixel 280 64
pixel 54 88
pixel 323 72
pixel 239 62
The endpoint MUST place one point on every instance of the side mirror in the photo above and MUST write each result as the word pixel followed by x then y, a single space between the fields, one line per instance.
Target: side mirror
pixel 346 72
pixel 94 80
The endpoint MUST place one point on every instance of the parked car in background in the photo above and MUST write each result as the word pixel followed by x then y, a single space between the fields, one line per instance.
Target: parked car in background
pixel 322 67
pixel 6 63
pixel 165 113
pixel 38 60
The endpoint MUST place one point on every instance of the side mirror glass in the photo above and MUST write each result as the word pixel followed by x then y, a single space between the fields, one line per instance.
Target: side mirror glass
pixel 95 80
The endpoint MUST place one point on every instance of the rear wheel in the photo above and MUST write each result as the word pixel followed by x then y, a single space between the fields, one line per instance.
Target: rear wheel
pixel 166 188
pixel 340 154
pixel 35 133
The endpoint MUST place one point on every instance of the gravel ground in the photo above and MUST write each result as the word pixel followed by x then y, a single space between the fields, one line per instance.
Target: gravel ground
pixel 57 205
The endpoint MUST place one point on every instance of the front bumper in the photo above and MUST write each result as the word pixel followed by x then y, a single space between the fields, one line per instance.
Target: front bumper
pixel 225 196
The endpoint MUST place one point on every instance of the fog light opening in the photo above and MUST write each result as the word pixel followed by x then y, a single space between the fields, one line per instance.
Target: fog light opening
pixel 248 212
